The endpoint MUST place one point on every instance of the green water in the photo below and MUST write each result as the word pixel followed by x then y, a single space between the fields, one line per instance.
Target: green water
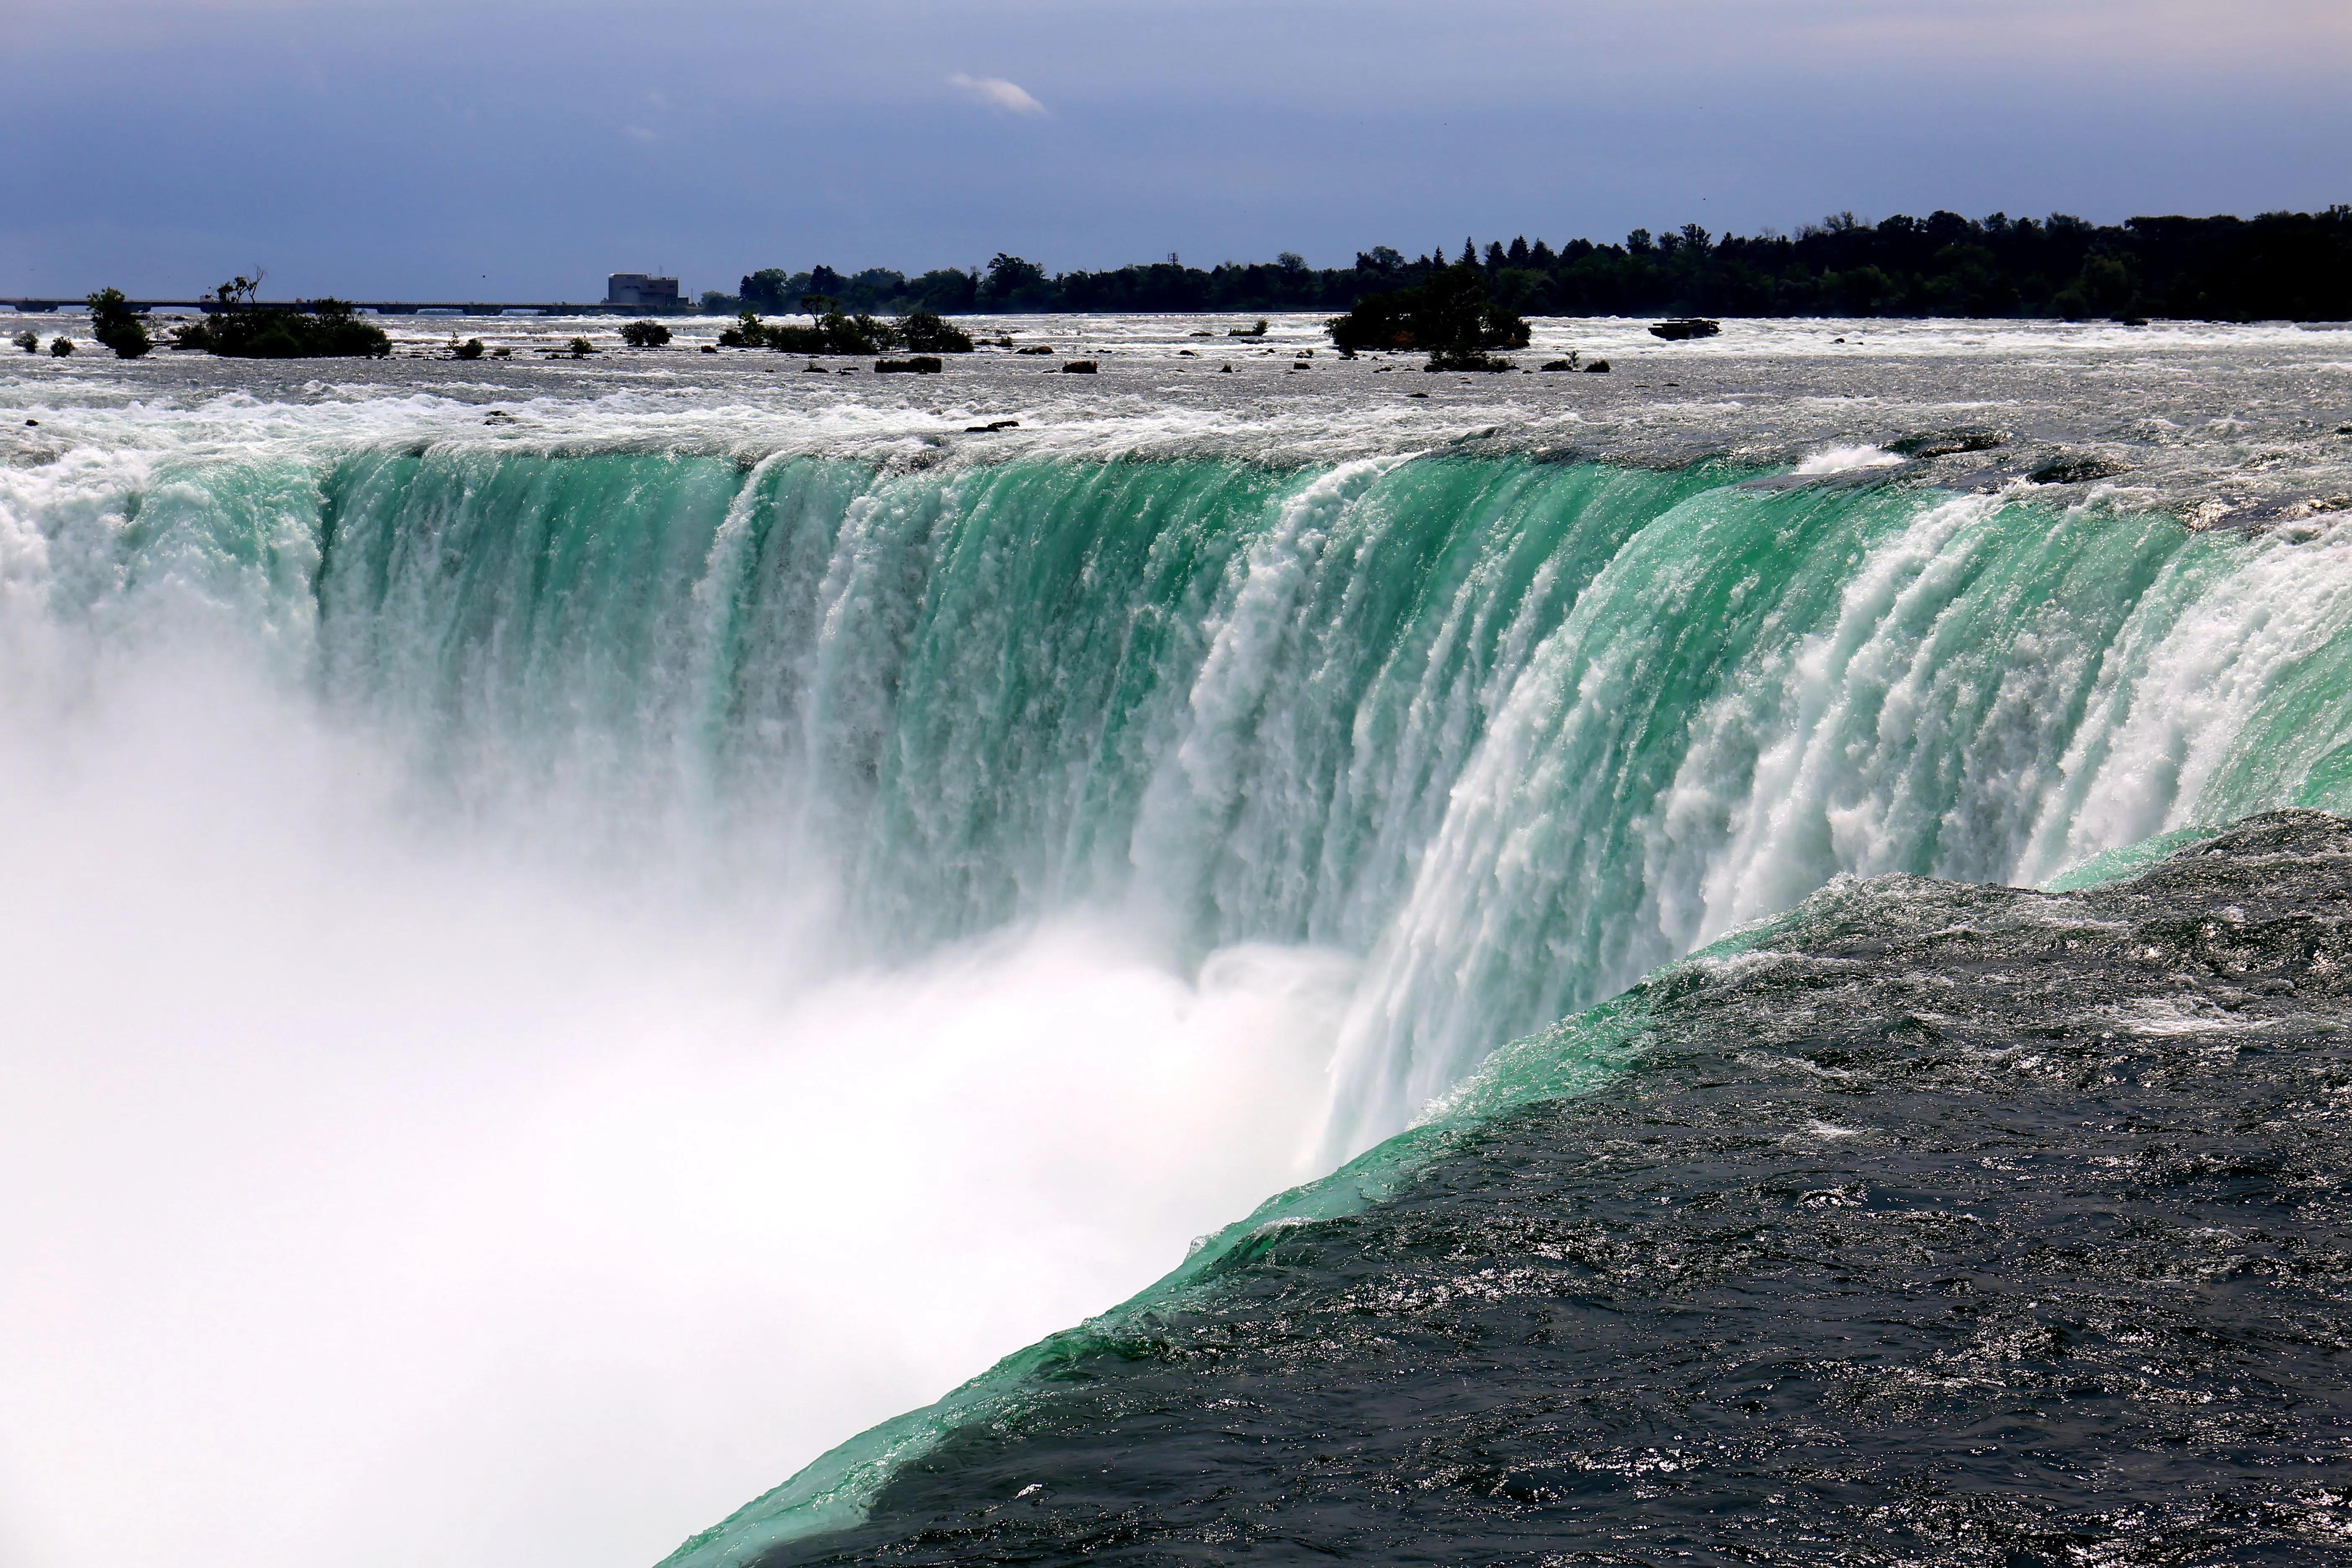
pixel 1514 733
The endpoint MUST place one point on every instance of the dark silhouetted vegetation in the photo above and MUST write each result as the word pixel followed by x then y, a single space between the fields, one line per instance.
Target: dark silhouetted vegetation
pixel 243 328
pixel 471 348
pixel 644 334
pixel 113 323
pixel 836 331
pixel 61 346
pixel 2276 267
pixel 29 341
pixel 581 347
pixel 924 332
pixel 1452 315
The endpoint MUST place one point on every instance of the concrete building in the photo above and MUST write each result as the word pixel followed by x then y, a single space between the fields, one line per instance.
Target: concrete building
pixel 637 288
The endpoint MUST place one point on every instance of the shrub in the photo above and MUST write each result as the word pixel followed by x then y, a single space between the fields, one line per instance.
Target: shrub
pixel 834 333
pixel 925 332
pixel 1448 313
pixel 1461 359
pixel 1079 368
pixel 920 365
pixel 471 348
pixel 325 328
pixel 644 334
pixel 29 341
pixel 1256 331
pixel 61 346
pixel 113 323
pixel 582 348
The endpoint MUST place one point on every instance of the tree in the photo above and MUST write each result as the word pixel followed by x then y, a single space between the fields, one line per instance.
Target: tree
pixel 925 333
pixel 113 323
pixel 29 341
pixel 241 328
pixel 582 348
pixel 644 334
pixel 1012 281
pixel 61 346
pixel 764 289
pixel 1451 315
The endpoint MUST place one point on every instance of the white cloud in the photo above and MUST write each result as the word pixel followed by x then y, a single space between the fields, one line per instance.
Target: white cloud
pixel 997 93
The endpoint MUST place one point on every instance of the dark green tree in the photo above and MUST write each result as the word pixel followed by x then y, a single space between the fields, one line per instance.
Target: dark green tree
pixel 113 323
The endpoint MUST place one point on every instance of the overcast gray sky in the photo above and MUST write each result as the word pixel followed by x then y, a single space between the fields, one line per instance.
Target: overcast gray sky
pixel 522 149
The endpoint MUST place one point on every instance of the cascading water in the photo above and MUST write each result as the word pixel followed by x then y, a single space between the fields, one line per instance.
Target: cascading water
pixel 1516 731
pixel 1064 759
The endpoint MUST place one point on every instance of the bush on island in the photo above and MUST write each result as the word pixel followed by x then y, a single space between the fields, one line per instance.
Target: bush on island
pixel 29 341
pixel 1256 331
pixel 242 329
pixel 644 334
pixel 919 365
pixel 471 348
pixel 927 332
pixel 582 348
pixel 1450 314
pixel 1459 358
pixel 61 346
pixel 113 323
pixel 1079 368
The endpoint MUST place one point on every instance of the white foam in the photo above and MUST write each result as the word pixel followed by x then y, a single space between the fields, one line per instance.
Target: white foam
pixel 380 1196
pixel 1846 458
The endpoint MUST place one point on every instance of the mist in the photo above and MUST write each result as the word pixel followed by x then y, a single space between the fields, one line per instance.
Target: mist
pixel 382 1194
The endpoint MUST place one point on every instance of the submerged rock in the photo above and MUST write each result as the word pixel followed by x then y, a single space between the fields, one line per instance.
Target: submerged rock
pixel 2075 468
pixel 1944 442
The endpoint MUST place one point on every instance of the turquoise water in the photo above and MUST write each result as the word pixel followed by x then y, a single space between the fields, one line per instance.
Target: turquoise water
pixel 1517 731
pixel 1513 733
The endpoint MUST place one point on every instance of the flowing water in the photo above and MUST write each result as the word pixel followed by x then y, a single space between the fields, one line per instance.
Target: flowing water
pixel 581 932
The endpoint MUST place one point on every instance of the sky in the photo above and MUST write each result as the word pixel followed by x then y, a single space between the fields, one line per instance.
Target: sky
pixel 523 149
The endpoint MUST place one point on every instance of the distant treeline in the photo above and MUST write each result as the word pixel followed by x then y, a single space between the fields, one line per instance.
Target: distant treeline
pixel 2277 266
